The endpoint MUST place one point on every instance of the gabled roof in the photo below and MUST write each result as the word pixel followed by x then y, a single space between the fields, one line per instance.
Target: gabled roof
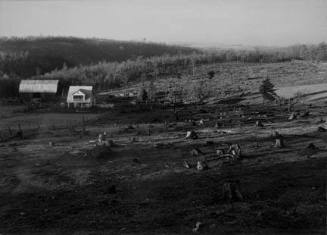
pixel 38 86
pixel 87 93
pixel 87 90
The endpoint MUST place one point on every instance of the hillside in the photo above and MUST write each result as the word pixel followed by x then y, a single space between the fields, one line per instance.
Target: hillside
pixel 26 57
pixel 241 79
pixel 112 74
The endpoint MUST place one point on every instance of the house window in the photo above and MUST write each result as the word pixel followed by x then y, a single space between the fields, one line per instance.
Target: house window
pixel 78 98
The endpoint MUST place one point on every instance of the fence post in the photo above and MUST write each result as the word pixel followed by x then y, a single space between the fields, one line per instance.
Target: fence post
pixel 83 125
pixel 10 131
pixel 20 132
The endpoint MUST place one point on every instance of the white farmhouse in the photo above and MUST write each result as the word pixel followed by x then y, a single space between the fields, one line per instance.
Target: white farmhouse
pixel 80 97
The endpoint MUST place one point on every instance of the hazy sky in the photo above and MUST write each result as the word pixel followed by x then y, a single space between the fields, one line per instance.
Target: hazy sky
pixel 247 22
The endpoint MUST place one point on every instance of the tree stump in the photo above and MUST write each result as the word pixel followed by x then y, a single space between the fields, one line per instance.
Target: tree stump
pixel 201 166
pixel 227 191
pixel 259 123
pixel 231 191
pixel 279 143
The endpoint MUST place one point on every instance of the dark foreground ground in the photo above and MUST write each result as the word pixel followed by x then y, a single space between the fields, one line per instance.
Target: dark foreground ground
pixel 141 187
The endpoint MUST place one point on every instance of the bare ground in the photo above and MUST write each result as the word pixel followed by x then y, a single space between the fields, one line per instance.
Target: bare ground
pixel 141 187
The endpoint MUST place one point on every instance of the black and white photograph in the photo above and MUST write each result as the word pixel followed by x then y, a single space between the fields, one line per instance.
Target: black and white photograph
pixel 163 117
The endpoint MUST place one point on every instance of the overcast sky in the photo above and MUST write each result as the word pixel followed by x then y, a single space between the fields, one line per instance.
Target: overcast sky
pixel 246 22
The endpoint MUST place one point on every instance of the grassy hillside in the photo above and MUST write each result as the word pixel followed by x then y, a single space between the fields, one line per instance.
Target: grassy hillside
pixel 26 57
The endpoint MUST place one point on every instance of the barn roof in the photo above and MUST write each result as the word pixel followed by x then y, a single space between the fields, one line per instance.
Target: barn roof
pixel 87 90
pixel 38 86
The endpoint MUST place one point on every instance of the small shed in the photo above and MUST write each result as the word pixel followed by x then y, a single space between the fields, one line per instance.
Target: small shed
pixel 38 89
pixel 80 97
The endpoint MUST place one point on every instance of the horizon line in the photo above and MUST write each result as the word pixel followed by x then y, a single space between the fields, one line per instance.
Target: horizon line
pixel 176 43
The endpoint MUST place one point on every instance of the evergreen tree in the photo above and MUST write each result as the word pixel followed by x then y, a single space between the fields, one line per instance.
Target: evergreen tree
pixel 152 91
pixel 143 95
pixel 267 90
pixel 211 74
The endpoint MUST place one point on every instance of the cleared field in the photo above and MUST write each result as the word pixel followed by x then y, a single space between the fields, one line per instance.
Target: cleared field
pixel 236 78
pixel 55 180
pixel 311 92
pixel 141 185
pixel 8 111
pixel 31 120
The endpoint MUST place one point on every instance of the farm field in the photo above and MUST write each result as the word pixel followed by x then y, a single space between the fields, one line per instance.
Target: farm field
pixel 55 180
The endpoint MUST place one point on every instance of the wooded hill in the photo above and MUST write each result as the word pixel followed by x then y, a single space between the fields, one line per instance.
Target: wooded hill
pixel 25 57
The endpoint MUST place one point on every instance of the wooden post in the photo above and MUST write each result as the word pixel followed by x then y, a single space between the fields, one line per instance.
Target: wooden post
pixel 289 105
pixel 10 131
pixel 193 67
pixel 20 132
pixel 70 127
pixel 83 125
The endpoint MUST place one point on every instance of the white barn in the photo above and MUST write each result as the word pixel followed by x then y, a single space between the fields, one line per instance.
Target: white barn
pixel 80 97
pixel 38 88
